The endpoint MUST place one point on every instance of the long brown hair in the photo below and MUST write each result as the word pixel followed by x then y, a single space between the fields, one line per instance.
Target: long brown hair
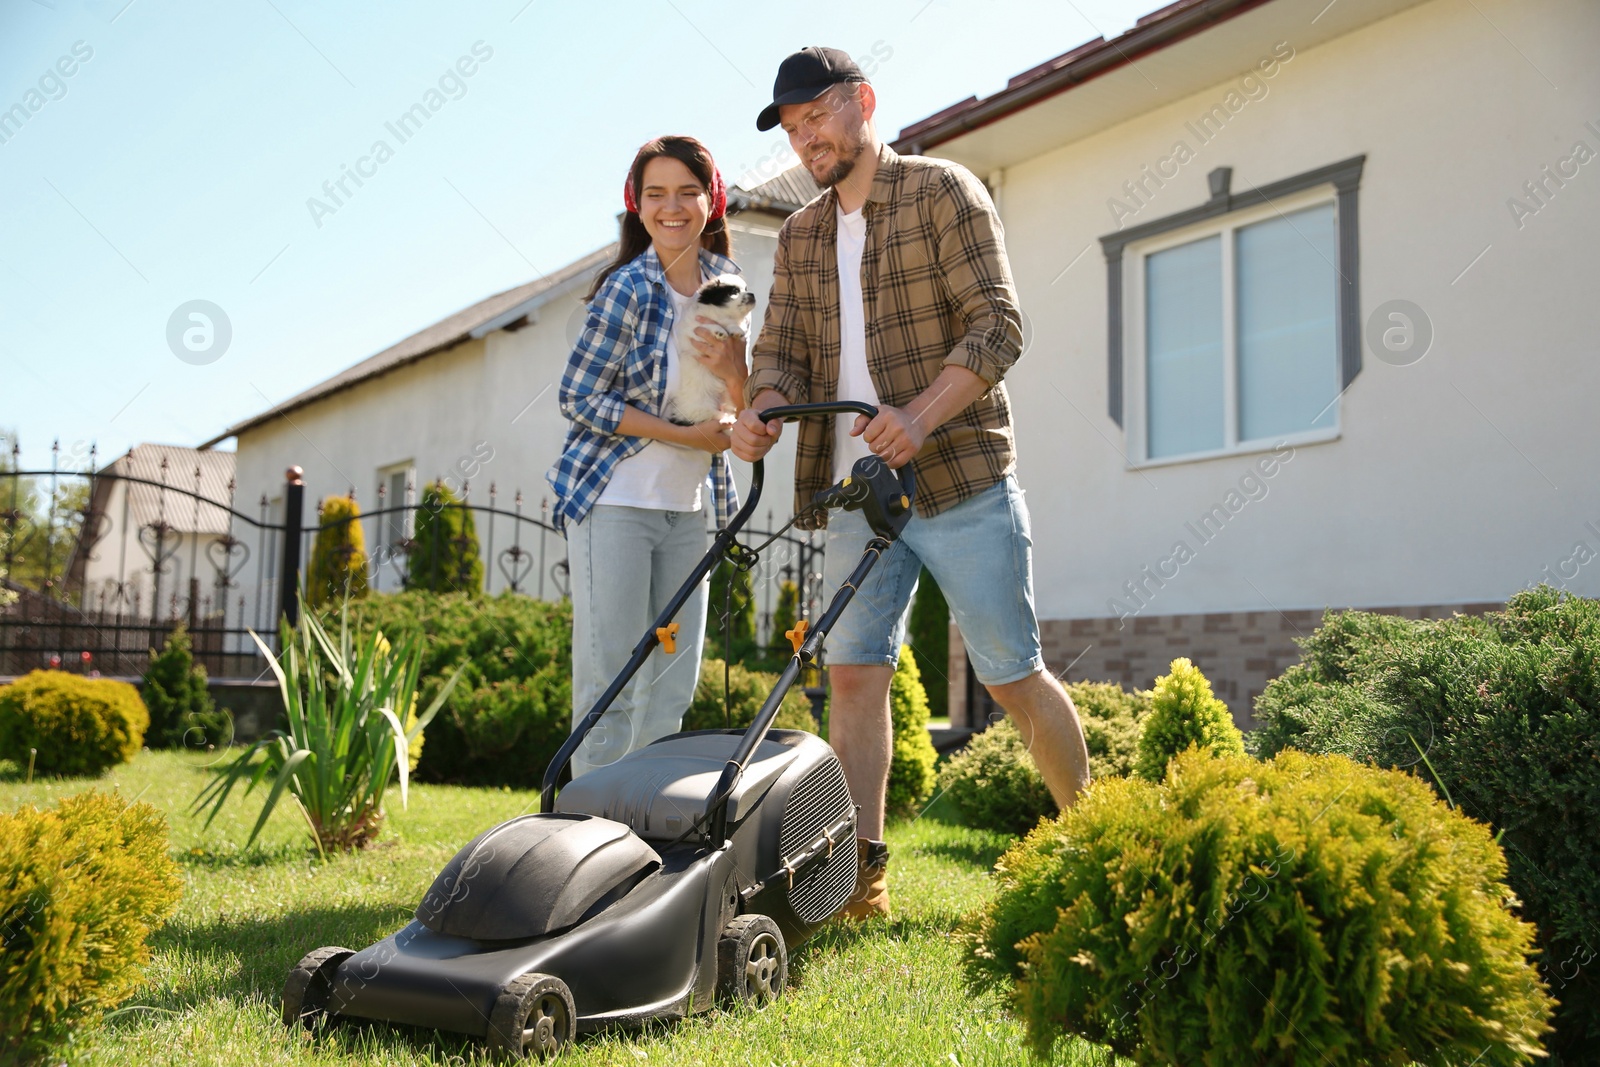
pixel 635 238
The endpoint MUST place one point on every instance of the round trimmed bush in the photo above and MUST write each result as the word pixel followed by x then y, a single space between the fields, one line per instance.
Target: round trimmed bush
pixel 80 726
pixel 1112 719
pixel 1506 707
pixel 81 887
pixel 1300 911
pixel 993 783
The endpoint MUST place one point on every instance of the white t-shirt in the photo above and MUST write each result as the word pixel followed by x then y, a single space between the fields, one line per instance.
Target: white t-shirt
pixel 662 476
pixel 855 380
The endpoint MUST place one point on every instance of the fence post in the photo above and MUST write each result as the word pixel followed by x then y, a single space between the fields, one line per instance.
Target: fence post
pixel 294 496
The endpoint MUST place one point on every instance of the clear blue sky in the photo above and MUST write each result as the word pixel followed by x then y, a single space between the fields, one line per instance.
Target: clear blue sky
pixel 175 163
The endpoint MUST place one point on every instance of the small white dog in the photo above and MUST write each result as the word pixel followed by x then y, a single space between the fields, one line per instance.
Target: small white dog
pixel 701 395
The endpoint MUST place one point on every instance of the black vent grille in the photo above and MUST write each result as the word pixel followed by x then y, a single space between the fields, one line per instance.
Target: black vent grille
pixel 821 800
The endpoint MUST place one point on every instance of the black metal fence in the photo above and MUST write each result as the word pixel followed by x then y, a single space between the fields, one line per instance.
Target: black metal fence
pixel 101 566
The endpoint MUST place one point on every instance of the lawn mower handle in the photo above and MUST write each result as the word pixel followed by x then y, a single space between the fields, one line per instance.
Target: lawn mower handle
pixel 647 644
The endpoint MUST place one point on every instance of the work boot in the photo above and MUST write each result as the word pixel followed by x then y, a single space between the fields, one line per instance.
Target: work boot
pixel 871 897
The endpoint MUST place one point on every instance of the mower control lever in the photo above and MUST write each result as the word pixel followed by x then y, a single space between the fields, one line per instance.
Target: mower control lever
pixel 883 495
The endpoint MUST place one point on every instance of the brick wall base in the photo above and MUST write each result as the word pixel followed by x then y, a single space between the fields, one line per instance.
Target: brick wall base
pixel 1239 651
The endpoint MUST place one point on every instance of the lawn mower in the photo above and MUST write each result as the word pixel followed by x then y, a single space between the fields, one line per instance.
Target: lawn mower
pixel 670 880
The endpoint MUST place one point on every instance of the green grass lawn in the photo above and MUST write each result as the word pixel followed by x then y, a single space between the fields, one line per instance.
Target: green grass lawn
pixel 890 993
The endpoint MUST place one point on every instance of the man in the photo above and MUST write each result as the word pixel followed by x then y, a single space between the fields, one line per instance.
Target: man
pixel 893 288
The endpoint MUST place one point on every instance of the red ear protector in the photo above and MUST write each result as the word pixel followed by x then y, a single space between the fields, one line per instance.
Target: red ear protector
pixel 719 195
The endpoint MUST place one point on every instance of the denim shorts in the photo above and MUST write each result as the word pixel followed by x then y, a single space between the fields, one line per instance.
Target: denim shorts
pixel 980 552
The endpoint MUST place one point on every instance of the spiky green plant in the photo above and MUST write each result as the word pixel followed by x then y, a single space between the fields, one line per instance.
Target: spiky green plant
pixel 343 739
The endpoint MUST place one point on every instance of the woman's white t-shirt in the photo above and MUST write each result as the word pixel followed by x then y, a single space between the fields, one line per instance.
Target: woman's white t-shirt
pixel 662 476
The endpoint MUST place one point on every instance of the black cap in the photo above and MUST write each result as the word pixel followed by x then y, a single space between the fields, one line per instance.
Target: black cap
pixel 806 75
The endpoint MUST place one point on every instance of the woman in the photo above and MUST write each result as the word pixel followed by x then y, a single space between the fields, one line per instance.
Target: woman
pixel 630 485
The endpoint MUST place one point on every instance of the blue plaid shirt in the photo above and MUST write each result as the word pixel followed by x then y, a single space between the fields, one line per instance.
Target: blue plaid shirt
pixel 621 359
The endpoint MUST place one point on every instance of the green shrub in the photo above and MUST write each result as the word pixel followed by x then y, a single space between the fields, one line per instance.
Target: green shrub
pixel 513 706
pixel 993 783
pixel 1324 702
pixel 339 554
pixel 1112 719
pixel 929 634
pixel 343 739
pixel 1182 713
pixel 444 545
pixel 174 690
pixel 748 690
pixel 1303 911
pixel 80 726
pixel 735 617
pixel 913 757
pixel 81 887
pixel 1507 709
pixel 784 616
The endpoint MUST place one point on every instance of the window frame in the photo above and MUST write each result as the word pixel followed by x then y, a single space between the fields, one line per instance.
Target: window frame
pixel 407 520
pixel 1224 214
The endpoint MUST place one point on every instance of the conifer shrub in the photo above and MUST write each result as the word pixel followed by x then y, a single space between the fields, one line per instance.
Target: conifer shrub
pixel 746 691
pixel 913 757
pixel 1304 910
pixel 174 690
pixel 444 545
pixel 1112 719
pixel 784 616
pixel 512 708
pixel 994 783
pixel 731 614
pixel 82 885
pixel 1501 714
pixel 339 554
pixel 77 726
pixel 1183 712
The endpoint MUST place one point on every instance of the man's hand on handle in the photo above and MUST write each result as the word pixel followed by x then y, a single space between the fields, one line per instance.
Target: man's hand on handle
pixel 752 438
pixel 895 436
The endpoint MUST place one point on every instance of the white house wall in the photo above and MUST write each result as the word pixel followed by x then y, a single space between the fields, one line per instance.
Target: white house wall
pixel 1460 478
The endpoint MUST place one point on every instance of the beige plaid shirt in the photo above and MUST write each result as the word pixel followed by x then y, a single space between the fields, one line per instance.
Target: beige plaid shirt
pixel 937 290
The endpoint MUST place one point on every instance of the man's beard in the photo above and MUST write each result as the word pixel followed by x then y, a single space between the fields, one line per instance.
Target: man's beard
pixel 841 170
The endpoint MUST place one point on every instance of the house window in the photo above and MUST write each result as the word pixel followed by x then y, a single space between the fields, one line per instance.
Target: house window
pixel 1238 327
pixel 397 482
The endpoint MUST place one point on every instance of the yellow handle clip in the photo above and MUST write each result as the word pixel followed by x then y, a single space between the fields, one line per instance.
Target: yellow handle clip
pixel 797 636
pixel 668 636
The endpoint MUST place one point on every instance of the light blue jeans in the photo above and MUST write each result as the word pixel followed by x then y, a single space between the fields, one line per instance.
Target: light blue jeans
pixel 980 552
pixel 625 564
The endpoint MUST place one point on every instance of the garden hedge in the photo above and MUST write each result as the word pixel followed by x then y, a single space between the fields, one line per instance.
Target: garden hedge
pixel 81 887
pixel 747 691
pixel 1506 708
pixel 78 725
pixel 1303 911
pixel 994 784
pixel 511 709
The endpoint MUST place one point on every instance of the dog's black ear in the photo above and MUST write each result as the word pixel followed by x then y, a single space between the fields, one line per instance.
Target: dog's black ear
pixel 719 294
